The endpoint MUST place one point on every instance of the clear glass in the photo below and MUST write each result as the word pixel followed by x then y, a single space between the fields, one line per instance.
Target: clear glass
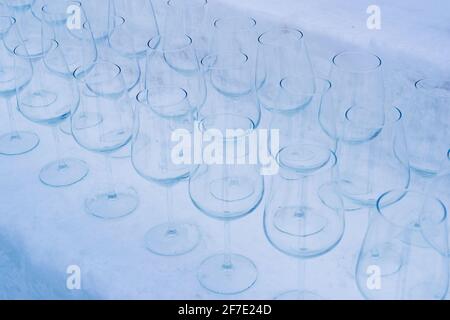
pixel 404 254
pixel 227 189
pixel 427 125
pixel 27 27
pixel 230 79
pixel 103 123
pixel 13 76
pixel 97 14
pixel 173 62
pixel 372 159
pixel 302 125
pixel 234 34
pixel 282 53
pixel 49 99
pixel 131 25
pixel 304 213
pixel 76 43
pixel 161 112
pixel 358 84
pixel 230 73
pixel 190 18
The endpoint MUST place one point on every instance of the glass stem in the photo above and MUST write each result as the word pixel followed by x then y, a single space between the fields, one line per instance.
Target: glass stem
pixel 12 121
pixel 110 181
pixel 301 276
pixel 227 251
pixel 61 163
pixel 169 208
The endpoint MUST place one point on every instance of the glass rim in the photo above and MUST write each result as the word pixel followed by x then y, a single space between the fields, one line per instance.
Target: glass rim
pixel 54 44
pixel 170 2
pixel 328 85
pixel 332 157
pixel 248 130
pixel 80 73
pixel 159 38
pixel 373 68
pixel 419 85
pixel 396 119
pixel 250 20
pixel 291 30
pixel 145 102
pixel 210 56
pixel 403 193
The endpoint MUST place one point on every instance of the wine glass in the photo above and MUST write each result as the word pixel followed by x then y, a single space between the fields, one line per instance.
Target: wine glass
pixel 230 85
pixel 27 27
pixel 131 24
pixel 358 84
pixel 404 254
pixel 302 125
pixel 172 61
pixel 103 123
pixel 76 43
pixel 190 16
pixel 426 121
pixel 226 190
pixel 49 99
pixel 97 14
pixel 282 53
pixel 373 158
pixel 236 34
pixel 304 213
pixel 162 112
pixel 13 76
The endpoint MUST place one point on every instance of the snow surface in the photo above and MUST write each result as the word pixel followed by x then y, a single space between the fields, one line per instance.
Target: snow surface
pixel 44 230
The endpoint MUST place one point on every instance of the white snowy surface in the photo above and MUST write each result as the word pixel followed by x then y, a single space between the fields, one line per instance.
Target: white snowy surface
pixel 44 230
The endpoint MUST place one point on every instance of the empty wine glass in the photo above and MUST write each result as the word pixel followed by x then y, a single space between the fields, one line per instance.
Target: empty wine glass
pixel 372 159
pixel 302 125
pixel 27 27
pixel 173 62
pixel 226 187
pixel 358 84
pixel 97 14
pixel 230 73
pixel 131 24
pixel 103 123
pixel 49 99
pixel 235 34
pixel 231 81
pixel 404 254
pixel 427 125
pixel 162 111
pixel 188 17
pixel 304 213
pixel 76 41
pixel 13 76
pixel 282 53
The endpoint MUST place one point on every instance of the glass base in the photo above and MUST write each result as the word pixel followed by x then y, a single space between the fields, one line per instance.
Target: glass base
pixel 172 240
pixel 298 295
pixel 108 205
pixel 217 276
pixel 64 172
pixel 15 143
